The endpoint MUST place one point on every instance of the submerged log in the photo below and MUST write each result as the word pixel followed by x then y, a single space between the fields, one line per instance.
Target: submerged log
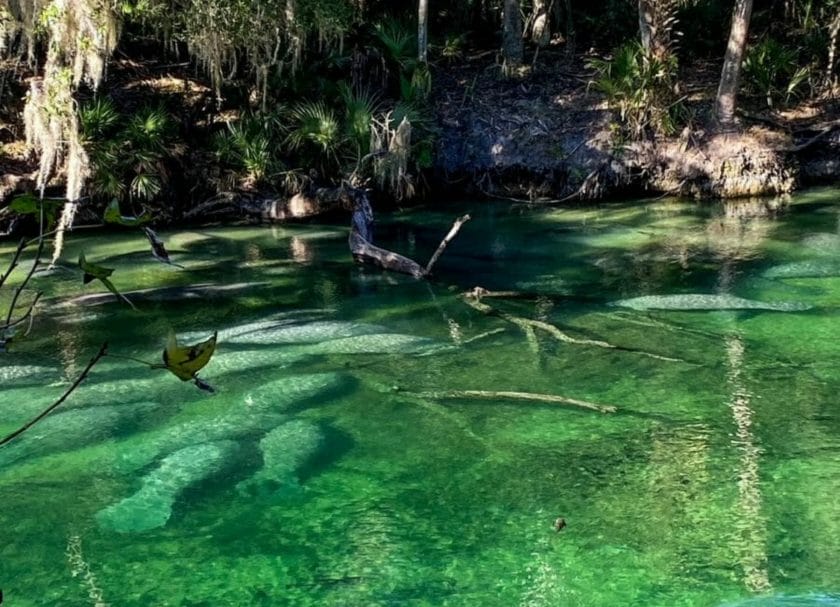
pixel 364 252
pixel 520 396
pixel 530 326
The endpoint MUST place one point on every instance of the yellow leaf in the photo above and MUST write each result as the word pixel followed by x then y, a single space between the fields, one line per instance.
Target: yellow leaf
pixel 185 361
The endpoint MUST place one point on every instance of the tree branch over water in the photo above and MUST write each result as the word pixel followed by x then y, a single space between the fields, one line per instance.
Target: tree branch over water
pixel 103 350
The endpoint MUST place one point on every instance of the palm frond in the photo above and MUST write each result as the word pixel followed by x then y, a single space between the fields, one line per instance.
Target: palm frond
pixel 314 123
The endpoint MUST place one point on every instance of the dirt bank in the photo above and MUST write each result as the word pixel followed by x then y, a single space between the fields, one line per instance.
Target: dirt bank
pixel 548 136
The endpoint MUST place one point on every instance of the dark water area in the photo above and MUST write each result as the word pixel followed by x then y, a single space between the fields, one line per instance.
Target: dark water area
pixel 334 466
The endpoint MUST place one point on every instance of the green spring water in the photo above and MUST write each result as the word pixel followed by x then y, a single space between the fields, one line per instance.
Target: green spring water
pixel 317 475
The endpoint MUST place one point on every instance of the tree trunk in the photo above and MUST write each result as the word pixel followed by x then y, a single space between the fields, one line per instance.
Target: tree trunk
pixel 540 23
pixel 512 50
pixel 292 31
pixel 422 30
pixel 833 31
pixel 656 19
pixel 570 30
pixel 646 27
pixel 728 90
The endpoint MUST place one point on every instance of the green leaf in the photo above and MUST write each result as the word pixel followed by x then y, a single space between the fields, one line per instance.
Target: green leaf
pixel 30 204
pixel 101 273
pixel 158 248
pixel 92 270
pixel 113 215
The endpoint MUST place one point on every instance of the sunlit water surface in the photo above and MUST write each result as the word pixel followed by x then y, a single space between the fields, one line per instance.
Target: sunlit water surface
pixel 321 474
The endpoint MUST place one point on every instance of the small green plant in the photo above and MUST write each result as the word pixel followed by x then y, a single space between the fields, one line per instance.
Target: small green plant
pixel 452 49
pixel 770 70
pixel 398 43
pixel 98 119
pixel 640 87
pixel 128 157
pixel 316 126
pixel 247 145
pixel 360 107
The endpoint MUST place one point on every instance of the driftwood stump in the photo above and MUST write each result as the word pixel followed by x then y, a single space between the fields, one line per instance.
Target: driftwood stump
pixel 364 251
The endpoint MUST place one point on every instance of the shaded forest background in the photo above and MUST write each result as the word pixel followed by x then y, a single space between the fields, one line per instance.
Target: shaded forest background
pixel 196 109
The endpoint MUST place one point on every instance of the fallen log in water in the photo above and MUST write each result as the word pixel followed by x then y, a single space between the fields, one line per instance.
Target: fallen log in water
pixel 364 251
pixel 268 207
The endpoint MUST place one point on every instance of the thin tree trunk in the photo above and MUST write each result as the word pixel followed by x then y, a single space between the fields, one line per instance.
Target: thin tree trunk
pixel 570 30
pixel 478 18
pixel 833 30
pixel 656 19
pixel 646 26
pixel 540 23
pixel 422 30
pixel 295 39
pixel 726 100
pixel 512 49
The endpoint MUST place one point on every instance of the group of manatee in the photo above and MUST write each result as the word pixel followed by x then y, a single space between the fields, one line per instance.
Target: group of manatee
pixel 823 262
pixel 171 458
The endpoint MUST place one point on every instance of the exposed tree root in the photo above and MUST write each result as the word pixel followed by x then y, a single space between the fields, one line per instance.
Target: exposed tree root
pixel 308 203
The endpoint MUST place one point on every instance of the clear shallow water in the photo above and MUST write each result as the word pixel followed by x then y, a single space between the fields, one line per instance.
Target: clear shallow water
pixel 317 475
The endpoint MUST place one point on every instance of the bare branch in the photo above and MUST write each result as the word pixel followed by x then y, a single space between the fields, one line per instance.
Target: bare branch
pixel 25 316
pixel 453 232
pixel 103 350
pixel 21 246
pixel 26 280
pixel 529 325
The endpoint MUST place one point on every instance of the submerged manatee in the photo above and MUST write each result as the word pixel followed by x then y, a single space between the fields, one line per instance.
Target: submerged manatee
pixel 151 506
pixel 297 329
pixel 699 301
pixel 257 413
pixel 285 450
pixel 12 373
pixel 233 426
pixel 282 394
pixel 199 291
pixel 72 430
pixel 805 600
pixel 816 268
pixel 823 243
pixel 378 343
pixel 197 448
pixel 241 361
pixel 311 332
